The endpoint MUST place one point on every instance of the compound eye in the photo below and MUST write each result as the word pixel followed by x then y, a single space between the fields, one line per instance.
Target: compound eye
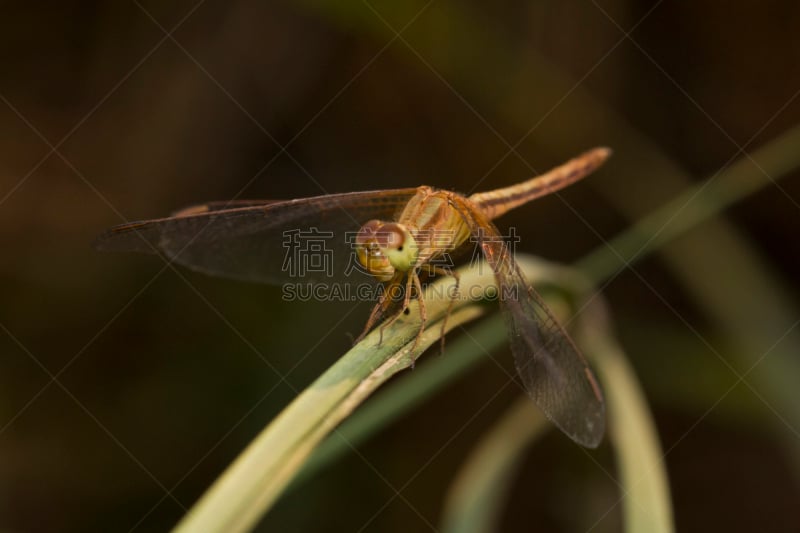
pixel 391 237
pixel 369 252
pixel 368 233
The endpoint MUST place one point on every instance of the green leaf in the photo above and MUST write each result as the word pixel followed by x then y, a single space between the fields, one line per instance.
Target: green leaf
pixel 476 498
pixel 254 481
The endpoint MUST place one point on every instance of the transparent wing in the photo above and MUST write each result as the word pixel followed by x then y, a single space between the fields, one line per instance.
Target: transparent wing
pixel 307 240
pixel 554 372
pixel 221 205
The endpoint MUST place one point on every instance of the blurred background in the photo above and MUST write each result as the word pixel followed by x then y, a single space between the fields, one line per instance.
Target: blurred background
pixel 126 389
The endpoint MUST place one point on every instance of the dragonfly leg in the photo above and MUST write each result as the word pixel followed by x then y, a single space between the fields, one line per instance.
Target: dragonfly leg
pixel 413 283
pixel 445 271
pixel 379 309
pixel 373 317
pixel 423 314
pixel 406 302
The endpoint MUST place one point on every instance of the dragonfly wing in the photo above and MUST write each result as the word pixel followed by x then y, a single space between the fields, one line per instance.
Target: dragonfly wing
pixel 309 240
pixel 220 205
pixel 554 372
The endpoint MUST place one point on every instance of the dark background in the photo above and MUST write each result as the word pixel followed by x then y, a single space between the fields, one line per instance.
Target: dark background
pixel 120 380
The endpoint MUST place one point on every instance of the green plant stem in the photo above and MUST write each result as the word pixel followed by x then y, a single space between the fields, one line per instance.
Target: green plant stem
pixel 461 355
pixel 727 276
pixel 475 500
pixel 476 496
pixel 244 492
pixel 646 502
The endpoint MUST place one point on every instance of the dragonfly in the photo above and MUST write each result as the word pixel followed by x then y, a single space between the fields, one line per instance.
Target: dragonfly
pixel 395 237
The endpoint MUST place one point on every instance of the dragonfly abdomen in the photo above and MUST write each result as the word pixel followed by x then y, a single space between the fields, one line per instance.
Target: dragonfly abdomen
pixel 500 201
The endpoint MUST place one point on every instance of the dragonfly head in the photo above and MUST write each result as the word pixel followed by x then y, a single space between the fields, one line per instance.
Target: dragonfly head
pixel 386 248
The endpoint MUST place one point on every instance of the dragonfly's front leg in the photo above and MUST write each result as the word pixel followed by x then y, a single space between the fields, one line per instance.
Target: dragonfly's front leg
pixel 379 309
pixel 412 283
pixel 423 314
pixel 445 271
pixel 406 300
pixel 376 312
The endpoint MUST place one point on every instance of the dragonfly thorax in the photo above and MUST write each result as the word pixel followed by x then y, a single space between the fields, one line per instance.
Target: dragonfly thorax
pixel 384 248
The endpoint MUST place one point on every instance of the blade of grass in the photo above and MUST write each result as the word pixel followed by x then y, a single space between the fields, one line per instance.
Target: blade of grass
pixel 401 397
pixel 474 503
pixel 646 502
pixel 696 204
pixel 713 261
pixel 480 489
pixel 736 183
pixel 470 37
pixel 730 282
pixel 460 356
pixel 248 488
